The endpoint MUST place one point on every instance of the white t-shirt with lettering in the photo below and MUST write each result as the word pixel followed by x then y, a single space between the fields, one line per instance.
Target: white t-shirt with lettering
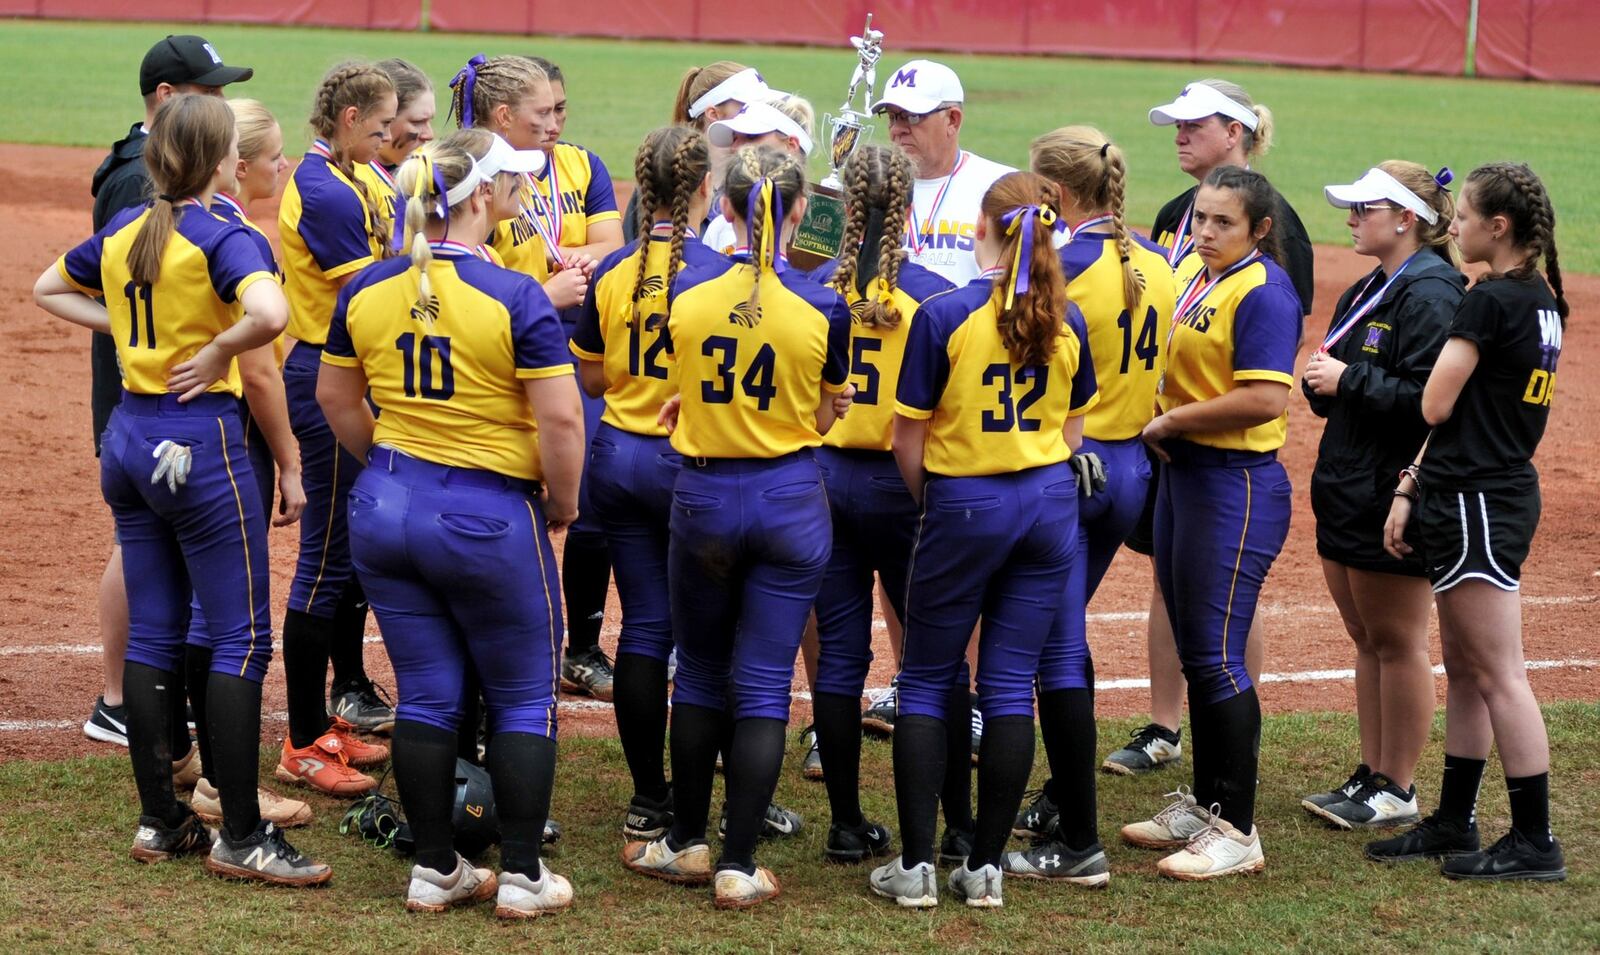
pixel 946 211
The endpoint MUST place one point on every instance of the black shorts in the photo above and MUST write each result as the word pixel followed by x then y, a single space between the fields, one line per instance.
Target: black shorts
pixel 1477 535
pixel 1142 540
pixel 1351 505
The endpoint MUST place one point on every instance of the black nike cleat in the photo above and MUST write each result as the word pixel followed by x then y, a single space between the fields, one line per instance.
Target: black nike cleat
pixel 1511 858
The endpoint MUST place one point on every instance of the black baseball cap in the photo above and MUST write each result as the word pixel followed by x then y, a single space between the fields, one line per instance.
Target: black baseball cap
pixel 187 59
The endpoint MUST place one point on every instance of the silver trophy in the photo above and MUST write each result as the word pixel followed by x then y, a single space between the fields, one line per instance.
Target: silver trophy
pixel 847 129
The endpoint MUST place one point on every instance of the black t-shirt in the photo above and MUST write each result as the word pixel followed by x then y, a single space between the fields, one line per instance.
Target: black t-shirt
pixel 1491 435
pixel 1299 260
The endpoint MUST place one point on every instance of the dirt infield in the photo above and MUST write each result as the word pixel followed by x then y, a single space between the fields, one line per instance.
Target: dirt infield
pixel 56 530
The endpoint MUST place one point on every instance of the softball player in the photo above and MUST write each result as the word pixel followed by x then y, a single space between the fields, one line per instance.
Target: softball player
pixel 330 226
pixel 1488 401
pixel 762 355
pixel 990 403
pixel 1122 284
pixel 874 517
pixel 1224 386
pixel 463 357
pixel 784 123
pixel 187 293
pixel 620 343
pixel 412 127
pixel 1367 380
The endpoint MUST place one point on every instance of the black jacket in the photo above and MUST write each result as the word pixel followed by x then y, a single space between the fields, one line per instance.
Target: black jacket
pixel 121 181
pixel 1375 421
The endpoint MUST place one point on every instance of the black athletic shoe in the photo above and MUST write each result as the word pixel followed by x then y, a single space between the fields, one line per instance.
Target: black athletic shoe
pixel 362 704
pixel 1343 791
pixel 955 847
pixel 867 841
pixel 647 819
pixel 108 724
pixel 154 842
pixel 264 856
pixel 1037 820
pixel 1432 838
pixel 1150 747
pixel 1513 857
pixel 778 822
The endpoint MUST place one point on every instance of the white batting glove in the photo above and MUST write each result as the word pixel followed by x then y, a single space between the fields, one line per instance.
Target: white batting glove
pixel 1090 471
pixel 173 463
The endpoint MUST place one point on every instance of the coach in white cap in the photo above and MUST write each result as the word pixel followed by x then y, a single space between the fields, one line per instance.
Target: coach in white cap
pixel 923 105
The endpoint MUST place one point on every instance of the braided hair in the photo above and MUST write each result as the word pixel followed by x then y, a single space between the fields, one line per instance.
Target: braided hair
pixel 671 164
pixel 366 87
pixel 1094 174
pixel 1513 190
pixel 878 181
pixel 490 81
pixel 760 183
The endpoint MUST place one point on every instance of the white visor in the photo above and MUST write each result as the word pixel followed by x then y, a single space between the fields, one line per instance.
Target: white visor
pixel 1379 186
pixel 503 158
pixel 746 86
pixel 757 119
pixel 1196 102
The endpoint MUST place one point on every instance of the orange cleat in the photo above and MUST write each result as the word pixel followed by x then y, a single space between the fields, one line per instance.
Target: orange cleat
pixel 357 751
pixel 323 767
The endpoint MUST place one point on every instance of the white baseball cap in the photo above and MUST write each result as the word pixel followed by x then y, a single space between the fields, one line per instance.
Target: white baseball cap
pixel 1199 100
pixel 757 119
pixel 920 87
pixel 745 86
pixel 1379 186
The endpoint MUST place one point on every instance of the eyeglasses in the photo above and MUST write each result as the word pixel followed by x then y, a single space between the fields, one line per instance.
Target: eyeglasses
pixel 910 119
pixel 1361 209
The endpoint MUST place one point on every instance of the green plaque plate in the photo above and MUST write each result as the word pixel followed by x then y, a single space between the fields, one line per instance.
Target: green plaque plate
pixel 821 232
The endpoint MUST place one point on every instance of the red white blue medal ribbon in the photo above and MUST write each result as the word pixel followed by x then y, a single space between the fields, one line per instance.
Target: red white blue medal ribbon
pixel 1360 307
pixel 932 221
pixel 1087 225
pixel 1182 241
pixel 1193 295
pixel 321 148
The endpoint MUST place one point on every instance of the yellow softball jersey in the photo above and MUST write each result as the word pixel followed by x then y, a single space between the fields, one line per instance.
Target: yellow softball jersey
pixel 751 378
pixel 325 230
pixel 206 266
pixel 520 240
pixel 230 209
pixel 448 372
pixel 585 190
pixel 385 197
pixel 1245 326
pixel 986 413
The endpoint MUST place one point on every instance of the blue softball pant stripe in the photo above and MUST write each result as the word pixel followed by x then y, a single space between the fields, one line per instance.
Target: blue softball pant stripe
pixel 265 470
pixel 588 525
pixel 208 540
pixel 1221 519
pixel 458 567
pixel 874 525
pixel 997 548
pixel 750 542
pixel 327 472
pixel 630 479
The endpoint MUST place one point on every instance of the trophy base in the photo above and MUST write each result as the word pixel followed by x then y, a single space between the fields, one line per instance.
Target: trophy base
pixel 820 235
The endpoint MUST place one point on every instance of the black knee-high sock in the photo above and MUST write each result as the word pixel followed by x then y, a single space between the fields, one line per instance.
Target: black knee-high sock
pixel 1458 789
pixel 348 640
pixel 1005 758
pixel 233 717
pixel 144 692
pixel 641 704
pixel 178 714
pixel 1235 747
pixel 471 717
pixel 424 770
pixel 919 772
pixel 694 739
pixel 1530 807
pixel 197 668
pixel 1066 721
pixel 752 774
pixel 585 575
pixel 1202 748
pixel 838 727
pixel 955 793
pixel 305 672
pixel 523 767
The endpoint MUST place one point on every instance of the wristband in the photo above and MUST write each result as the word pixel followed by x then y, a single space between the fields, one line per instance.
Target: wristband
pixel 1410 471
pixel 1408 495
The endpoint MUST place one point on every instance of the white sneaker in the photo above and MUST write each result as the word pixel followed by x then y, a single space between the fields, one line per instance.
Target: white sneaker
pixel 1172 827
pixel 735 890
pixel 914 888
pixel 1218 850
pixel 1378 804
pixel 522 898
pixel 432 891
pixel 981 889
pixel 690 865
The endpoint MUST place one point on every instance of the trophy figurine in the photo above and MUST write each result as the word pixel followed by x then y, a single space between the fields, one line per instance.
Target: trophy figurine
pixel 821 232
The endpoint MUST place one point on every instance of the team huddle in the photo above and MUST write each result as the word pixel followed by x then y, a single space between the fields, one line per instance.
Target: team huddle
pixel 468 348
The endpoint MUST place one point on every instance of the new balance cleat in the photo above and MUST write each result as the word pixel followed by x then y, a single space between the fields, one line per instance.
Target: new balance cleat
pixel 646 818
pixel 587 672
pixel 322 766
pixel 1054 862
pixel 187 770
pixel 812 767
pixel 1378 804
pixel 154 842
pixel 878 719
pixel 264 856
pixel 1037 820
pixel 523 898
pixel 733 889
pixel 357 751
pixel 432 891
pixel 1512 858
pixel 955 846
pixel 776 824
pixel 1216 851
pixel 1344 791
pixel 279 810
pixel 914 888
pixel 1172 827
pixel 690 865
pixel 1150 748
pixel 108 724
pixel 1433 838
pixel 849 845
pixel 980 889
pixel 364 706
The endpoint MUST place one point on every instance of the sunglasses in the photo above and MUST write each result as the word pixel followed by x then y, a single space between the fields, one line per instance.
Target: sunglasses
pixel 1362 209
pixel 909 119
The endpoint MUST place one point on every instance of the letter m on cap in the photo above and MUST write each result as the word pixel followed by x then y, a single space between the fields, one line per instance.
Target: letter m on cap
pixel 904 78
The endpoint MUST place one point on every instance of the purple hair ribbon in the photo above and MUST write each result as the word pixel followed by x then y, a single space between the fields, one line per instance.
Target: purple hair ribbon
pixel 1444 177
pixel 467 79
pixel 1021 218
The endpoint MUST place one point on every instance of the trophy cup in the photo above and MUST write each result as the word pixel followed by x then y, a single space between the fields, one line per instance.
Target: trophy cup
pixel 821 232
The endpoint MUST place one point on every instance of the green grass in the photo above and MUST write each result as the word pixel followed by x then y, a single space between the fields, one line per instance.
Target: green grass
pixel 1331 126
pixel 67 884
